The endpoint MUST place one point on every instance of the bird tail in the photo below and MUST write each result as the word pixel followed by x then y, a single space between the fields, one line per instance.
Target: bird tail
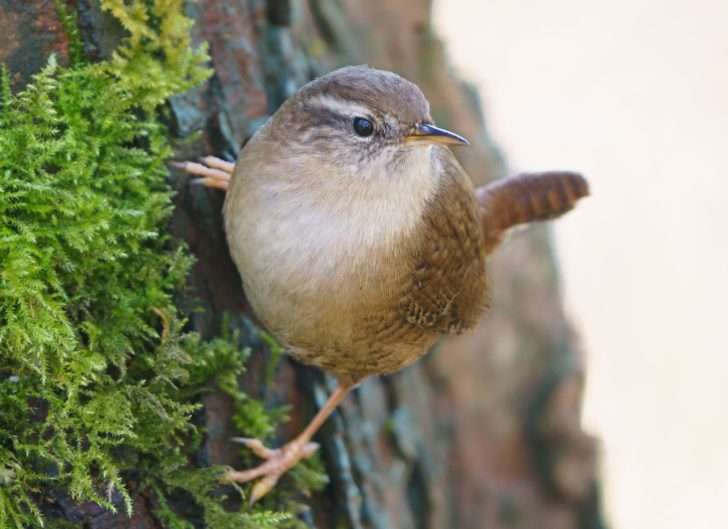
pixel 527 197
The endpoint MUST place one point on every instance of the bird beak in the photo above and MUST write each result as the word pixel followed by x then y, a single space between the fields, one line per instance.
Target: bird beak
pixel 430 134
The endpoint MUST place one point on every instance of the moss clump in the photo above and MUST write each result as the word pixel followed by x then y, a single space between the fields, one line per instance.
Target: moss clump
pixel 98 383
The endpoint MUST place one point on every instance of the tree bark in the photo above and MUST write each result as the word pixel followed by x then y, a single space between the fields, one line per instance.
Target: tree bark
pixel 484 431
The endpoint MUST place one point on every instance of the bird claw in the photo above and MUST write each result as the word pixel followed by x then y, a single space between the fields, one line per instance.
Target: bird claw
pixel 256 446
pixel 214 171
pixel 218 163
pixel 278 461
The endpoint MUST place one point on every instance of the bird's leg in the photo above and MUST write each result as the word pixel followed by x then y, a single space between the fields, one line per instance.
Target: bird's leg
pixel 214 171
pixel 279 460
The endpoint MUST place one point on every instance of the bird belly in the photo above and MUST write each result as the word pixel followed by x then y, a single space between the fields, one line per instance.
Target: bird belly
pixel 328 294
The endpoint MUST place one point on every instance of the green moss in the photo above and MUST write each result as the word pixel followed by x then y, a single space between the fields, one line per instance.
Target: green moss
pixel 97 380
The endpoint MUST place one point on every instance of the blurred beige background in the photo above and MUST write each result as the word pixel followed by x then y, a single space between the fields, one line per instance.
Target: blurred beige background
pixel 635 95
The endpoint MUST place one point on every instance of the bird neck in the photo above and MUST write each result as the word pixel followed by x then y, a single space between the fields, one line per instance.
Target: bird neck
pixel 359 206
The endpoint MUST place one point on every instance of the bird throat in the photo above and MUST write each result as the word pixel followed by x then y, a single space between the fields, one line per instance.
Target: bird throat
pixel 342 223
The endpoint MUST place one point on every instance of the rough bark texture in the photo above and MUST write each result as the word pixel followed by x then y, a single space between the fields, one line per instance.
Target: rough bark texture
pixel 484 432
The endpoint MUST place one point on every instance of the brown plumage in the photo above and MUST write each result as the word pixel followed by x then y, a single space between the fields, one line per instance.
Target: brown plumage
pixel 527 197
pixel 361 242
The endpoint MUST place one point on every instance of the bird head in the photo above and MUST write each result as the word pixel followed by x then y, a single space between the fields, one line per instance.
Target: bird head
pixel 360 119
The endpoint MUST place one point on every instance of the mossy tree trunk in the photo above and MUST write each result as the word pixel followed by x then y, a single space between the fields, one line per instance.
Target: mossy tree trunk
pixel 483 432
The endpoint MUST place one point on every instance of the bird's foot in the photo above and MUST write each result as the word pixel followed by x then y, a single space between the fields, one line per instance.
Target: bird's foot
pixel 278 461
pixel 214 171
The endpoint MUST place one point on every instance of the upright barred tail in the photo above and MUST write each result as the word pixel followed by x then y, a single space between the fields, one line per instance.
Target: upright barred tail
pixel 527 197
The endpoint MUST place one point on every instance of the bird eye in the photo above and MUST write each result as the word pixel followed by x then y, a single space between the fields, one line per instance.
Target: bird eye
pixel 363 127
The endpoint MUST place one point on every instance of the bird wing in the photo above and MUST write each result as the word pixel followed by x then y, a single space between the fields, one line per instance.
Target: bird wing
pixel 448 287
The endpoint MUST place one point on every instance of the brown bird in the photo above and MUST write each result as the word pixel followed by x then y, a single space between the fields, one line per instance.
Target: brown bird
pixel 359 238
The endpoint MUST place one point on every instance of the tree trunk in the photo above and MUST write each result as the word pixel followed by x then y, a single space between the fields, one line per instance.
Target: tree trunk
pixel 484 431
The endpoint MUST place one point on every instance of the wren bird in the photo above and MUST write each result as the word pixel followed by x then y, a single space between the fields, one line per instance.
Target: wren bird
pixel 359 238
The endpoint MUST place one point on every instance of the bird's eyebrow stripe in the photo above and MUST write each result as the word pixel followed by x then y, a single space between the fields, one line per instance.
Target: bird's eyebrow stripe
pixel 338 106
